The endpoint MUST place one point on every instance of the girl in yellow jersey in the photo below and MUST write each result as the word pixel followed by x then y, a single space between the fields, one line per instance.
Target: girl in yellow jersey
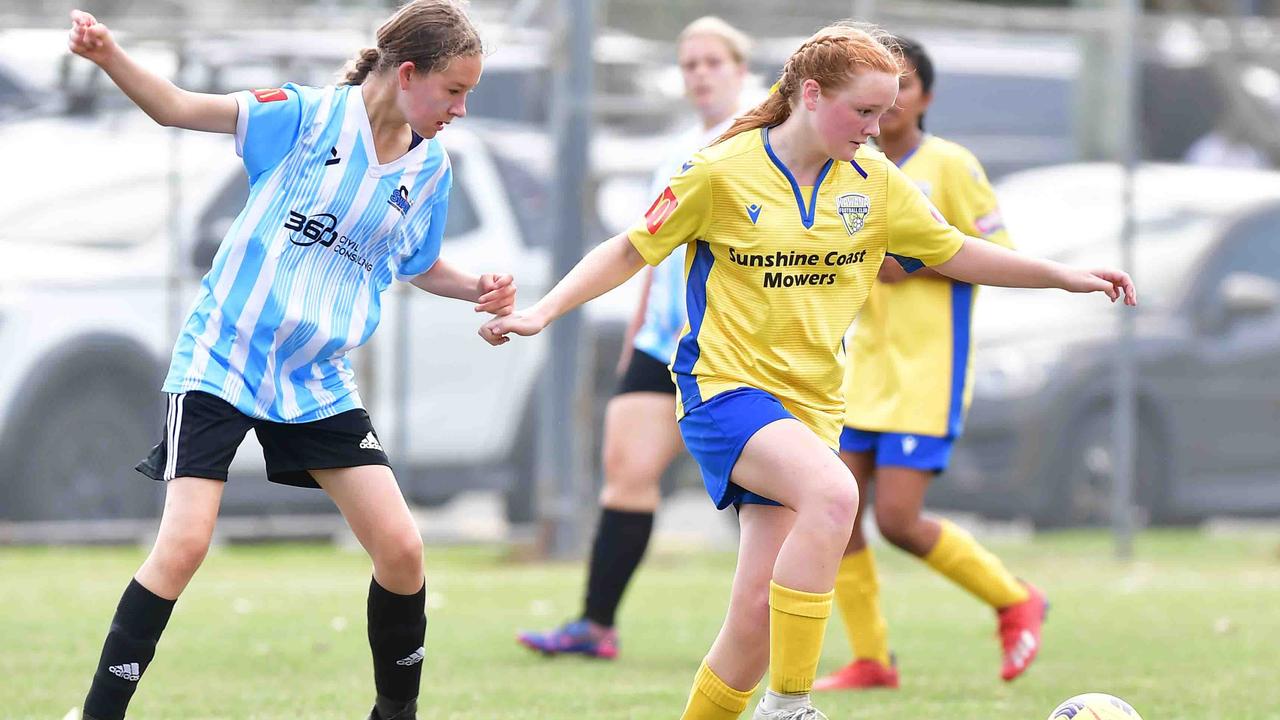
pixel 907 389
pixel 786 221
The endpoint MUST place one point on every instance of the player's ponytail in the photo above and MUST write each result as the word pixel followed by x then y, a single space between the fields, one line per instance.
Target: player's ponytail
pixel 427 33
pixel 359 67
pixel 830 57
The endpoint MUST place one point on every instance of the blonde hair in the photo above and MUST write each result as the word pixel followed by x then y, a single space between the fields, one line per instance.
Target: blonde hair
pixel 427 33
pixel 735 40
pixel 829 57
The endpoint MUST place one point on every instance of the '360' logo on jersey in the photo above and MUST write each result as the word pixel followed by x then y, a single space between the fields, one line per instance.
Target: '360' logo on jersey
pixel 315 229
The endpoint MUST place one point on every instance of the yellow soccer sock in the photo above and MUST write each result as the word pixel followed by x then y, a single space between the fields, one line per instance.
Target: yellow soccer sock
pixel 797 622
pixel 712 699
pixel 858 598
pixel 971 566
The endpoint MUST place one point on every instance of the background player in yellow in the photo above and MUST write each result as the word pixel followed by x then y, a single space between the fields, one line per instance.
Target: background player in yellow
pixel 786 221
pixel 907 389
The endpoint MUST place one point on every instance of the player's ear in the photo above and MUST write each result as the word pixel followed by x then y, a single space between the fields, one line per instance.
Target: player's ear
pixel 809 92
pixel 404 73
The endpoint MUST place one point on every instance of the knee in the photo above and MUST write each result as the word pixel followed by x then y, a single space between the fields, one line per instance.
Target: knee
pixel 896 525
pixel 629 476
pixel 623 465
pixel 181 554
pixel 836 503
pixel 399 554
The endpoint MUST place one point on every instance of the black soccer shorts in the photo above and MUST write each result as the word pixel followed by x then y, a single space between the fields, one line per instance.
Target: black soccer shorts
pixel 202 432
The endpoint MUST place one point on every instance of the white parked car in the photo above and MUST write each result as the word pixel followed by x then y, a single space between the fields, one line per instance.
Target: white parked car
pixel 97 274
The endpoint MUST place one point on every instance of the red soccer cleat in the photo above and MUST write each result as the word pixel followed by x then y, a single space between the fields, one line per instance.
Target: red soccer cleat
pixel 860 675
pixel 1020 632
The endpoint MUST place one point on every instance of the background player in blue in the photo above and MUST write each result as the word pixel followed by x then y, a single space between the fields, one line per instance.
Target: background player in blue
pixel 641 437
pixel 348 191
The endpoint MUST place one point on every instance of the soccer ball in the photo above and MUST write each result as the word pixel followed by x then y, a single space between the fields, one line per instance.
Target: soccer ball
pixel 1094 706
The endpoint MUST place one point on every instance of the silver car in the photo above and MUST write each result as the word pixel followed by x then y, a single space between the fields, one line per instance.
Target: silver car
pixel 1038 438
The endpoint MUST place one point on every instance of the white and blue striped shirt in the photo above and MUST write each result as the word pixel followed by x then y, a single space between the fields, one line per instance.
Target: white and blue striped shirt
pixel 664 315
pixel 298 280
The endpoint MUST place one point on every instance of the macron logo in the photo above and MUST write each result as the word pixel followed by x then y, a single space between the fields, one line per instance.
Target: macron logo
pixel 753 212
pixel 415 658
pixel 371 443
pixel 128 671
pixel 909 444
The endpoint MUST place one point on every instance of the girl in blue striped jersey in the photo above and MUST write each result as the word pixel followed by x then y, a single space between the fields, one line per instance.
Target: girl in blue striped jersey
pixel 348 191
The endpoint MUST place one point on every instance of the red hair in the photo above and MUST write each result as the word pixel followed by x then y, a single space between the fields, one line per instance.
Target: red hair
pixel 830 58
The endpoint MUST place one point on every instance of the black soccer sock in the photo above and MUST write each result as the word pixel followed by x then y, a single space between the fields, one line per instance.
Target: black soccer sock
pixel 131 643
pixel 397 631
pixel 621 539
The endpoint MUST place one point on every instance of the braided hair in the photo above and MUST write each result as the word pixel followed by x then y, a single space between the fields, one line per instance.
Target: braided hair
pixel 830 57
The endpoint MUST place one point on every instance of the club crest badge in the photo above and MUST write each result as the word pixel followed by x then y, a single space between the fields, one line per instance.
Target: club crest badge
pixel 853 209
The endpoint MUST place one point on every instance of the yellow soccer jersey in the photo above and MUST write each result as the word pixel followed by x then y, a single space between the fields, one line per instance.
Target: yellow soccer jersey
pixel 909 369
pixel 775 273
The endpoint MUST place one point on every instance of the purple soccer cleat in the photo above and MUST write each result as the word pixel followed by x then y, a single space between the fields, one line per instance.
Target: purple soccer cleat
pixel 579 637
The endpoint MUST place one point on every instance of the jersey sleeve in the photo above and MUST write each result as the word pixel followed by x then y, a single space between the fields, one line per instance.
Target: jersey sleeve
pixel 918 234
pixel 422 234
pixel 971 202
pixel 268 125
pixel 682 212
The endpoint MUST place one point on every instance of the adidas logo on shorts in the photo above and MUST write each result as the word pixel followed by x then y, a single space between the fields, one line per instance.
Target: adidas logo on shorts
pixel 417 657
pixel 371 443
pixel 128 671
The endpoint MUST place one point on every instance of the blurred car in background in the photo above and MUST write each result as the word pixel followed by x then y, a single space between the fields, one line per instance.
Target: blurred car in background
pixel 97 276
pixel 630 93
pixel 1009 98
pixel 1038 438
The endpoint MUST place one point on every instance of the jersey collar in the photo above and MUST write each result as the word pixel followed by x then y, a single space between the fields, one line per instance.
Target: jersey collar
pixel 806 214
pixel 414 153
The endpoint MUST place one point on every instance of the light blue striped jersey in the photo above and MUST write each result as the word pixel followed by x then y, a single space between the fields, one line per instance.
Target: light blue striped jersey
pixel 298 279
pixel 664 312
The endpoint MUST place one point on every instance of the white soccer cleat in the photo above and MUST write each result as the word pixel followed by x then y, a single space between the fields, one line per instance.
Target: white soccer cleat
pixel 808 712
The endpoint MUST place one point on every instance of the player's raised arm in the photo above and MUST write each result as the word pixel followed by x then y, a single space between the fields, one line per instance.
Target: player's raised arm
pixel 984 263
pixel 163 101
pixel 606 267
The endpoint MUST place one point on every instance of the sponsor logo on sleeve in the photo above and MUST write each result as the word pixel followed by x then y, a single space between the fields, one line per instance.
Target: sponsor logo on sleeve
pixel 990 223
pixel 266 95
pixel 660 211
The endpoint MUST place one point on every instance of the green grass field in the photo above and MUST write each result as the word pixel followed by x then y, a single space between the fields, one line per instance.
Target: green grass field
pixel 1189 630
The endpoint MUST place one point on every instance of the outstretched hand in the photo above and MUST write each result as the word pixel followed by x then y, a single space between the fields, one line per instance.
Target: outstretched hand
pixel 89 38
pixel 1115 283
pixel 497 294
pixel 524 323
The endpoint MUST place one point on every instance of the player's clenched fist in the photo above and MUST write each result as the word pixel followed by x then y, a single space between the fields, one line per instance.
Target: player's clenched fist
pixel 526 322
pixel 89 38
pixel 497 294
